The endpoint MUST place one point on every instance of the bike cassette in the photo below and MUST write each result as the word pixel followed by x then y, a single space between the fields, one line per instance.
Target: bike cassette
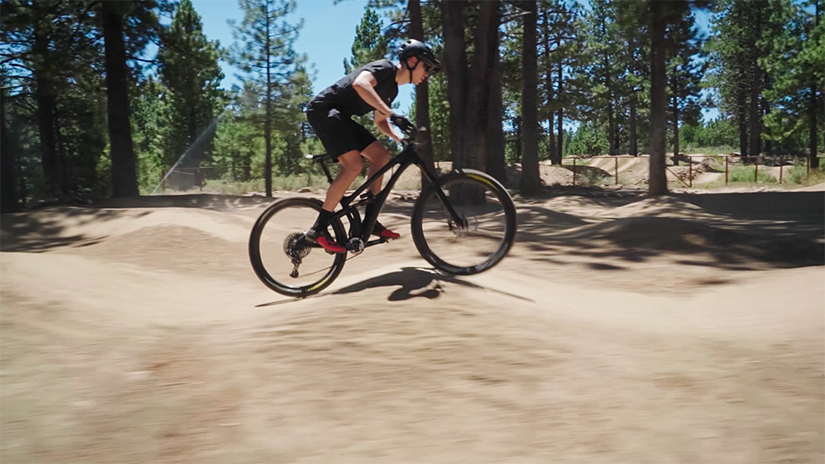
pixel 295 247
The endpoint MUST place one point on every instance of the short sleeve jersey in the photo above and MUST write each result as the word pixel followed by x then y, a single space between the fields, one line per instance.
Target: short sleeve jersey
pixel 342 95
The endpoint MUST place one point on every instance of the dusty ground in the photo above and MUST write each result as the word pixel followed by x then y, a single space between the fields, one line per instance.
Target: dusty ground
pixel 687 329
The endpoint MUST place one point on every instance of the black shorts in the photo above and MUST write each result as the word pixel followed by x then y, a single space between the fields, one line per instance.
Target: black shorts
pixel 338 133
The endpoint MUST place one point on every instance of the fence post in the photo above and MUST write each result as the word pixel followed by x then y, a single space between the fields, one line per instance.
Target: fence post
pixel 808 171
pixel 781 163
pixel 756 170
pixel 727 160
pixel 574 172
pixel 617 170
pixel 690 171
pixel 163 181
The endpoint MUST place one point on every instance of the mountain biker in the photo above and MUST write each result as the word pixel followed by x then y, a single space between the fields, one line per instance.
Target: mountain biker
pixel 372 87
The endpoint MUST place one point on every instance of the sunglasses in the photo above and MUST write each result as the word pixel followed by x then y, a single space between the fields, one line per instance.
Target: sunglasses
pixel 429 67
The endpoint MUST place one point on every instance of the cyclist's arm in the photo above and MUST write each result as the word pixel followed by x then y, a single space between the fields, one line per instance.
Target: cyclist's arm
pixel 364 85
pixel 384 126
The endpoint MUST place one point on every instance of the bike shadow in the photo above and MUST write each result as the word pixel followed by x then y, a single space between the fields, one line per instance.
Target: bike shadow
pixel 414 282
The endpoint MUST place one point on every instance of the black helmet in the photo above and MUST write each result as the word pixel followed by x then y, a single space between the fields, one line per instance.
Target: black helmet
pixel 419 50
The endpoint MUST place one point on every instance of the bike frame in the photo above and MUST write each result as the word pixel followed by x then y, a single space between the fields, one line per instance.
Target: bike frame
pixel 363 229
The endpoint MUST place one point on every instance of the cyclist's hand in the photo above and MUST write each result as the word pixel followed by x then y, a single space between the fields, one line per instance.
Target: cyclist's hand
pixel 405 125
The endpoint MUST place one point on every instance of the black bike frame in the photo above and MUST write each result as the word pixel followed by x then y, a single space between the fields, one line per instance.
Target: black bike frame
pixel 363 229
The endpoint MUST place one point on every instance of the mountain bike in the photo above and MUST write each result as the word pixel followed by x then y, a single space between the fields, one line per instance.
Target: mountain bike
pixel 462 223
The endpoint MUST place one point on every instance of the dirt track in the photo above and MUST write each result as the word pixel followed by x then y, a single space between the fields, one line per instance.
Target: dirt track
pixel 684 329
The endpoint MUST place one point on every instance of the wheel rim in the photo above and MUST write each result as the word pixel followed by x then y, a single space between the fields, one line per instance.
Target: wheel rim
pixel 478 243
pixel 279 244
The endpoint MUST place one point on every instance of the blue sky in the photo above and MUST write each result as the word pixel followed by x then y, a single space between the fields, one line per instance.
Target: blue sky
pixel 326 37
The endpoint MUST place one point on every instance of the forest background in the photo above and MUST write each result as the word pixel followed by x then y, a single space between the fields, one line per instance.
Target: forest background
pixel 103 98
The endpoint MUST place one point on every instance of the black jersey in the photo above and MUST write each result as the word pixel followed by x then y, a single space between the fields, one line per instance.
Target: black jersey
pixel 343 97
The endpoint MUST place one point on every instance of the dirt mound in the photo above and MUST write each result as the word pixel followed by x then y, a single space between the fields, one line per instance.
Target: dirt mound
pixel 156 248
pixel 687 237
pixel 657 206
pixel 204 200
pixel 58 226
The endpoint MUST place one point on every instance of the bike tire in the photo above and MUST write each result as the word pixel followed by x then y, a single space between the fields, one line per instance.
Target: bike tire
pixel 256 260
pixel 510 222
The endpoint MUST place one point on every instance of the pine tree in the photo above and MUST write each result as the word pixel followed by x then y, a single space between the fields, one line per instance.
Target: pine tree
pixel 685 70
pixel 190 72
pixel 530 180
pixel 369 43
pixel 634 63
pixel 264 52
pixel 794 66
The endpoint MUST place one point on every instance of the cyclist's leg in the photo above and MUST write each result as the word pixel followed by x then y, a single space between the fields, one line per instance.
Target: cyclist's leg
pixel 379 156
pixel 351 167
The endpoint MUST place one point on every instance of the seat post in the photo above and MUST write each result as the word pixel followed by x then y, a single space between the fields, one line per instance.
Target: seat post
pixel 321 159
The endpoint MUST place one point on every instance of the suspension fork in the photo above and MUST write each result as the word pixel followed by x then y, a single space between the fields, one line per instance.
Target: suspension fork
pixel 433 180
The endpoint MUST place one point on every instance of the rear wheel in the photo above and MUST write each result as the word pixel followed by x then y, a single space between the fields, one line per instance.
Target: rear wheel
pixel 283 258
pixel 484 233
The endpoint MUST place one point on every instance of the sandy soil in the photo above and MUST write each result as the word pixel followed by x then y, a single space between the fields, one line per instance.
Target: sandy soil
pixel 686 329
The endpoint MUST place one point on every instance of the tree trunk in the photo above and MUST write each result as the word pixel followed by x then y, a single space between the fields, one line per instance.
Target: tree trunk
pixel 756 87
pixel 675 130
pixel 268 120
pixel 812 127
pixel 560 121
pixel 478 97
pixel 8 192
pixel 634 145
pixel 62 159
pixel 496 164
pixel 124 170
pixel 455 67
pixel 658 100
pixel 518 125
pixel 611 119
pixel 530 179
pixel 45 112
pixel 193 132
pixel 675 88
pixel 422 94
pixel 548 82
pixel 765 110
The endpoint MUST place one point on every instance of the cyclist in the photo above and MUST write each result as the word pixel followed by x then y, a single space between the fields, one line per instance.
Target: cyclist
pixel 372 87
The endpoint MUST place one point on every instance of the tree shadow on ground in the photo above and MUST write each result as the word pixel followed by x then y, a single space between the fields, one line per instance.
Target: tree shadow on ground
pixel 740 232
pixel 42 230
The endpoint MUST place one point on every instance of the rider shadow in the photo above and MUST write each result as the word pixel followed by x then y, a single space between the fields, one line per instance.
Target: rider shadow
pixel 415 283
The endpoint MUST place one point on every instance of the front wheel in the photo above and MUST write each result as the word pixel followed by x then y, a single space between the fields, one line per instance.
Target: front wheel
pixel 283 258
pixel 481 235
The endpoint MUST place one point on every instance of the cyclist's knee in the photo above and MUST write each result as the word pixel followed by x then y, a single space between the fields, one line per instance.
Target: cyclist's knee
pixel 377 154
pixel 351 164
pixel 352 170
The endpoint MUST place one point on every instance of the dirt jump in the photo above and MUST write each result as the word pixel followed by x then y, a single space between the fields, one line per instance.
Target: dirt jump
pixel 683 329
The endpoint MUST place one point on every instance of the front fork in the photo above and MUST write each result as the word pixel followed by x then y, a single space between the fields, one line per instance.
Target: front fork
pixel 459 221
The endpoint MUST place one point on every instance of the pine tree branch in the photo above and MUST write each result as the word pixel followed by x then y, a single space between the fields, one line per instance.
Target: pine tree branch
pixel 131 57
